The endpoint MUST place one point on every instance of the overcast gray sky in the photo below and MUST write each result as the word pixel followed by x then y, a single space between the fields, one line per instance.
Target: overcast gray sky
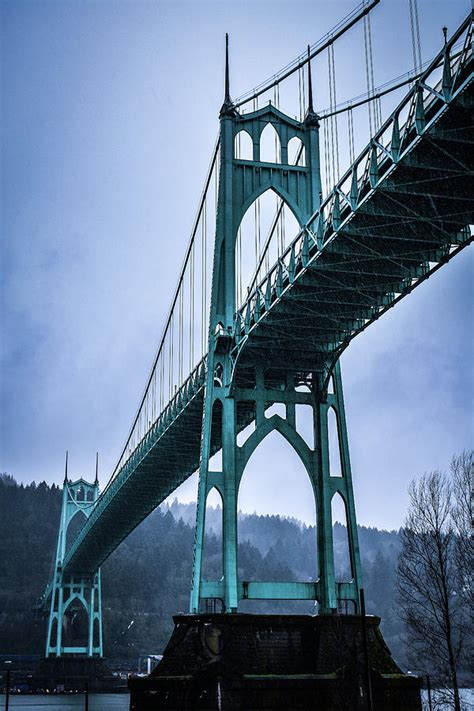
pixel 109 115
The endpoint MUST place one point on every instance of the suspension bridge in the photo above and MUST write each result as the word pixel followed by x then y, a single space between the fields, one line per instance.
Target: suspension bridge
pixel 263 320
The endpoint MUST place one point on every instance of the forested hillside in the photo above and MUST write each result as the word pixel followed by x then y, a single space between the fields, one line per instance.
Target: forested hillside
pixel 147 579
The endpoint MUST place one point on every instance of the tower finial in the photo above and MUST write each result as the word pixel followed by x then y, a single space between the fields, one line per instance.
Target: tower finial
pixel 310 84
pixel 227 81
pixel 96 468
pixel 65 468
pixel 312 119
pixel 227 107
pixel 445 33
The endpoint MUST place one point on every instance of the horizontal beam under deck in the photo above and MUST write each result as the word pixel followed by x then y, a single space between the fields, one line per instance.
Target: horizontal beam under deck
pixel 258 590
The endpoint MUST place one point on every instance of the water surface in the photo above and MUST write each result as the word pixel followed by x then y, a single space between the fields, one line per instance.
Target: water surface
pixel 72 702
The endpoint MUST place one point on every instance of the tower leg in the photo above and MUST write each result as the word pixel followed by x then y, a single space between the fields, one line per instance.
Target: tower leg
pixel 327 602
pixel 347 483
pixel 225 421
pixel 229 521
pixel 329 485
pixel 67 590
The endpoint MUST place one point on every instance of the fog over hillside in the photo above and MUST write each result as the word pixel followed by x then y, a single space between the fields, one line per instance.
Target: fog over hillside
pixel 147 579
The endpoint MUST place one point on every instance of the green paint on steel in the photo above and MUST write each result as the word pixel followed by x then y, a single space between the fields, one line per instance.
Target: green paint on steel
pixel 240 184
pixel 397 215
pixel 69 589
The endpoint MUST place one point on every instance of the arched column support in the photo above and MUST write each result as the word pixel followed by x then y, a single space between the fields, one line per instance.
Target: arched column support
pixel 278 424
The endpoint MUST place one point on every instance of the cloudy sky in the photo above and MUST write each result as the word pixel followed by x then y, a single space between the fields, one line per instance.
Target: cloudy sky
pixel 109 115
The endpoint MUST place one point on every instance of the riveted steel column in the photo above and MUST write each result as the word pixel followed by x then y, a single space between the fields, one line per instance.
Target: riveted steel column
pixel 229 521
pixel 222 309
pixel 351 520
pixel 202 491
pixel 328 602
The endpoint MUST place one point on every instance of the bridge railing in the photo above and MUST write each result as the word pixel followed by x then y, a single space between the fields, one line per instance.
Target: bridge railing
pixel 432 91
pixel 182 398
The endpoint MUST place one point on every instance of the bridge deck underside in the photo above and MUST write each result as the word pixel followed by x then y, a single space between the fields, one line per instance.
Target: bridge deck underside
pixel 414 220
pixel 406 227
pixel 166 462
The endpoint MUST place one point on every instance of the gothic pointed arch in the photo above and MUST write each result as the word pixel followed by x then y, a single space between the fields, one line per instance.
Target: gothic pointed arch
pixel 212 552
pixel 264 471
pixel 243 145
pixel 75 622
pixel 341 542
pixel 296 151
pixel 275 423
pixel 263 217
pixel 77 597
pixel 271 184
pixel 270 144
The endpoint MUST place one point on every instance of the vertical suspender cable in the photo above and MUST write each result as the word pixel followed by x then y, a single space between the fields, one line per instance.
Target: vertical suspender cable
pixel 326 155
pixel 371 70
pixel 203 284
pixel 255 232
pixel 300 93
pixel 374 108
pixel 277 199
pixel 415 35
pixel 333 128
pixel 412 34
pixel 191 309
pixel 366 48
pixel 303 85
pixel 170 350
pixel 181 335
pixel 281 206
pixel 162 389
pixel 377 102
pixel 258 227
pixel 239 266
pixel 173 386
pixel 334 117
pixel 417 28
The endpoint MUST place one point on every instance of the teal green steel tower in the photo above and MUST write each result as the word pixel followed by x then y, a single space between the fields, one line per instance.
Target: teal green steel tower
pixel 240 389
pixel 399 213
pixel 74 592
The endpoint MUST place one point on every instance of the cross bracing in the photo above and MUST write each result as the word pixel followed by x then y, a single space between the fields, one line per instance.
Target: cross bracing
pixel 400 211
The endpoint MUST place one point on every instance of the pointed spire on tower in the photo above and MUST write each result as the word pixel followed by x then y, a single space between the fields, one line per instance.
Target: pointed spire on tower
pixel 310 84
pixel 227 81
pixel 311 117
pixel 65 468
pixel 96 481
pixel 228 108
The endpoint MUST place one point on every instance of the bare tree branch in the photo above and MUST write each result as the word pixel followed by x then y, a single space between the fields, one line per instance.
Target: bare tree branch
pixel 435 573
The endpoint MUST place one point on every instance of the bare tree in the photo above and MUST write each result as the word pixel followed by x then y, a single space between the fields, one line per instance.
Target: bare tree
pixel 434 577
pixel 462 471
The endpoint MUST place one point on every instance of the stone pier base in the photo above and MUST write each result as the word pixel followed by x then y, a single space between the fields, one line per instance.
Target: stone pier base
pixel 262 662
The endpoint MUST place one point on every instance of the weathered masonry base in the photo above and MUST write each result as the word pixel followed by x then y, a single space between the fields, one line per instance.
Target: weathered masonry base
pixel 241 661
